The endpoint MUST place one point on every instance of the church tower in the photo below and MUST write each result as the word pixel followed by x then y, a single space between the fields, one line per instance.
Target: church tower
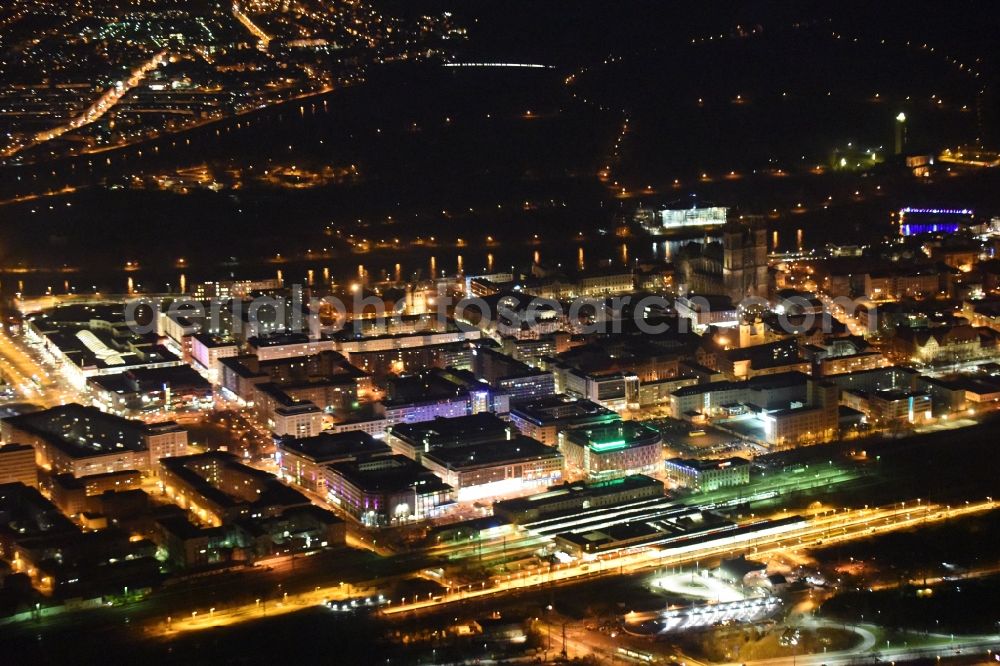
pixel 744 260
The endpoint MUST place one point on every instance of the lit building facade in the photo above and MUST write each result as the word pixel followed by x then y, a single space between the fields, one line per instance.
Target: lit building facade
pixel 707 475
pixel 497 468
pixel 613 450
pixel 17 464
pixel 386 491
pixel 78 440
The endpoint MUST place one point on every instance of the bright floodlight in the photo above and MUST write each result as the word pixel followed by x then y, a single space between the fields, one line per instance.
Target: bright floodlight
pixel 901 117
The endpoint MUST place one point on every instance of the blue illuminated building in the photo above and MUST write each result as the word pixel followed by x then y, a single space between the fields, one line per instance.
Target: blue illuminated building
pixel 919 221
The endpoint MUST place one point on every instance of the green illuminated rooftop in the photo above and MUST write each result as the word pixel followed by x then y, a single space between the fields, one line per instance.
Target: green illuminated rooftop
pixel 613 436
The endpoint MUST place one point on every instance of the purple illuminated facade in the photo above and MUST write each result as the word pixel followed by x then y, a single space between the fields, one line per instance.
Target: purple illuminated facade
pixel 919 221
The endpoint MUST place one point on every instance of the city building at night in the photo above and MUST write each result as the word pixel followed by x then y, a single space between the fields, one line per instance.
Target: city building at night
pixel 413 440
pixel 918 221
pixel 717 398
pixel 489 469
pixel 704 310
pixel 891 406
pixel 669 219
pixel 218 489
pixel 499 332
pixel 17 464
pixel 706 475
pixel 77 440
pixel 149 389
pixel 287 345
pixel 386 491
pixel 516 379
pixel 301 461
pixel 612 450
pixel 545 418
pixel 615 390
pixel 32 529
pixel 92 340
pixel 571 498
pixel 73 495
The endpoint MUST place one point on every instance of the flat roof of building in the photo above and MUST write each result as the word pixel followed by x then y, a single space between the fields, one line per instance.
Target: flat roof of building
pixel 562 409
pixel 707 465
pixel 274 492
pixel 388 474
pixel 761 383
pixel 14 447
pixel 71 482
pixel 211 340
pixel 898 394
pixel 489 454
pixel 614 436
pixel 74 313
pixel 582 491
pixel 449 431
pixel 98 348
pixel 715 302
pixel 277 340
pixel 68 428
pixel 237 364
pixel 327 447
pixel 146 379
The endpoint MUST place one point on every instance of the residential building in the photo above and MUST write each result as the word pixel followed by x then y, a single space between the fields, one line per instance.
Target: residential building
pixel 17 464
pixel 78 440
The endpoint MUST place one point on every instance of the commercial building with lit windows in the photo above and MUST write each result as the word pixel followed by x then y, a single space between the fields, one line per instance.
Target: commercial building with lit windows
pixel 917 221
pixel 303 460
pixel 612 450
pixel 300 419
pixel 207 349
pixel 413 440
pixel 680 218
pixel 889 406
pixel 571 498
pixel 445 393
pixel 495 468
pixel 706 475
pixel 386 491
pixel 96 339
pixel 545 418
pixel 614 390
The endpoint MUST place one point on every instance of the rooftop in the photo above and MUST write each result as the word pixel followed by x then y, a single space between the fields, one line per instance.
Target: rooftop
pixel 204 473
pixel 707 465
pixel 614 436
pixel 492 453
pixel 559 494
pixel 454 431
pixel 327 447
pixel 81 431
pixel 388 474
pixel 562 409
